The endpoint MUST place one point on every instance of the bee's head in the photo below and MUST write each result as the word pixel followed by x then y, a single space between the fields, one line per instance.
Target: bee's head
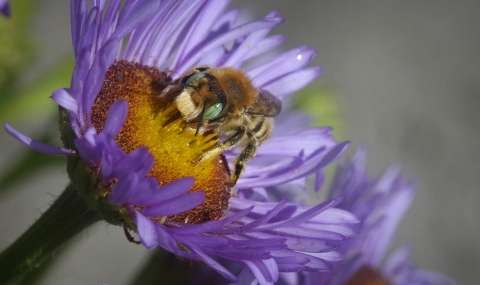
pixel 201 99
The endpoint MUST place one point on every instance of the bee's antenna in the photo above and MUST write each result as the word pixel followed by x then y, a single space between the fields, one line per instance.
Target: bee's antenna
pixel 200 120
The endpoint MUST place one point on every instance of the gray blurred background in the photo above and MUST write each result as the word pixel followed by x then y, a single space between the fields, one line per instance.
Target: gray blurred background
pixel 407 75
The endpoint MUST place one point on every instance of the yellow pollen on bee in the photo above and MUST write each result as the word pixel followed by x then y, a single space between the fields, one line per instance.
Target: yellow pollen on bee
pixel 153 121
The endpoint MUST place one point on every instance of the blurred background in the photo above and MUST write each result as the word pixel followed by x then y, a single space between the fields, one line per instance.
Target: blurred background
pixel 404 74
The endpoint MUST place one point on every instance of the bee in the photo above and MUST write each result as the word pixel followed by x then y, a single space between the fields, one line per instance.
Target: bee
pixel 225 100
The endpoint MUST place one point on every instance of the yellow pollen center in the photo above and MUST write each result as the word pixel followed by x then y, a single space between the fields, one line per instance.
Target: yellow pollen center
pixel 154 122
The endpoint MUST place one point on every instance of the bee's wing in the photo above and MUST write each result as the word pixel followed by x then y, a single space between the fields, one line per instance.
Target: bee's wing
pixel 267 105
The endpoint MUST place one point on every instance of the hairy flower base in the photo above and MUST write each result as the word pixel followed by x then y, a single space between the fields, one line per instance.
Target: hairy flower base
pixel 154 123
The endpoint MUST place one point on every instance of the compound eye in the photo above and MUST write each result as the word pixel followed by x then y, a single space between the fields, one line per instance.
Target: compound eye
pixel 194 78
pixel 213 111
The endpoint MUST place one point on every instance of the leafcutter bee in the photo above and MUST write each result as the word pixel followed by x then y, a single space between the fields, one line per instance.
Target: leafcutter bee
pixel 225 100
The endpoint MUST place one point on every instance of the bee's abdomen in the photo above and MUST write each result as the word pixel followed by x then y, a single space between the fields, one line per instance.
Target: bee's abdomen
pixel 262 128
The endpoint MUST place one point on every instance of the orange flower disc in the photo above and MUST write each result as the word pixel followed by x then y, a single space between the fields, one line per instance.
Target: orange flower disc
pixel 154 122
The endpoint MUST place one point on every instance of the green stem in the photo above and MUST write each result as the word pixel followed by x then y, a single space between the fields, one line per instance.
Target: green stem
pixel 68 216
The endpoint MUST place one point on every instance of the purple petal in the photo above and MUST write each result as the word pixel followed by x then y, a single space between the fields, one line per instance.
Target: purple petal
pixel 5 7
pixel 208 241
pixel 207 227
pixel 36 145
pixel 260 243
pixel 198 30
pixel 290 266
pixel 143 40
pixel 150 193
pixel 109 20
pixel 303 232
pixel 330 256
pixel 319 179
pixel 303 217
pixel 125 188
pixel 212 263
pixel 243 253
pixel 63 98
pixel 86 151
pixel 336 216
pixel 231 35
pixel 103 60
pixel 237 57
pixel 140 161
pixel 146 230
pixel 292 82
pixel 167 42
pixel 175 205
pixel 281 65
pixel 314 163
pixel 314 263
pixel 225 21
pixel 212 226
pixel 312 139
pixel 266 271
pixel 341 229
pixel 309 244
pixel 140 14
pixel 292 259
pixel 266 45
pixel 257 222
pixel 246 277
pixel 78 12
pixel 290 121
pixel 115 118
pixel 168 242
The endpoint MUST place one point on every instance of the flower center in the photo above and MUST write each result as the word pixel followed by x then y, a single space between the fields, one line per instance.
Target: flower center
pixel 367 276
pixel 154 122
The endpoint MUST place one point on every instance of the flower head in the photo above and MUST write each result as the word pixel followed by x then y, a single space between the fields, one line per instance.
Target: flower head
pixel 380 205
pixel 134 159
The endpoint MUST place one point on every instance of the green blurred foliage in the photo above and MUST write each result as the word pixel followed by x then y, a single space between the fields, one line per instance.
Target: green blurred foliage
pixel 17 48
pixel 22 103
pixel 17 53
pixel 33 100
pixel 321 102
pixel 30 161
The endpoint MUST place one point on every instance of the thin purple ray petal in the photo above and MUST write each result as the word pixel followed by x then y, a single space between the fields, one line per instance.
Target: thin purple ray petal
pixel 176 205
pixel 116 117
pixel 292 82
pixel 148 196
pixel 231 35
pixel 146 231
pixel 281 65
pixel 125 188
pixel 63 98
pixel 36 145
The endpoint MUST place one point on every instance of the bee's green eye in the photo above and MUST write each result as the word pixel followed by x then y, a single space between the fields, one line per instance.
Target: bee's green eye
pixel 194 78
pixel 213 111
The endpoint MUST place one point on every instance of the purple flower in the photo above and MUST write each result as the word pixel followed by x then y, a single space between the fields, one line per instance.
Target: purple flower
pixel 5 7
pixel 380 205
pixel 264 237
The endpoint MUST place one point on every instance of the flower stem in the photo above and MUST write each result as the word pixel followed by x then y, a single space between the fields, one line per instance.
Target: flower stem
pixel 68 216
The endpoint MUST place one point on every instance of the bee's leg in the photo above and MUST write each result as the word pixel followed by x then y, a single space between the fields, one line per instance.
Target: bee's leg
pixel 129 236
pixel 228 144
pixel 247 153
